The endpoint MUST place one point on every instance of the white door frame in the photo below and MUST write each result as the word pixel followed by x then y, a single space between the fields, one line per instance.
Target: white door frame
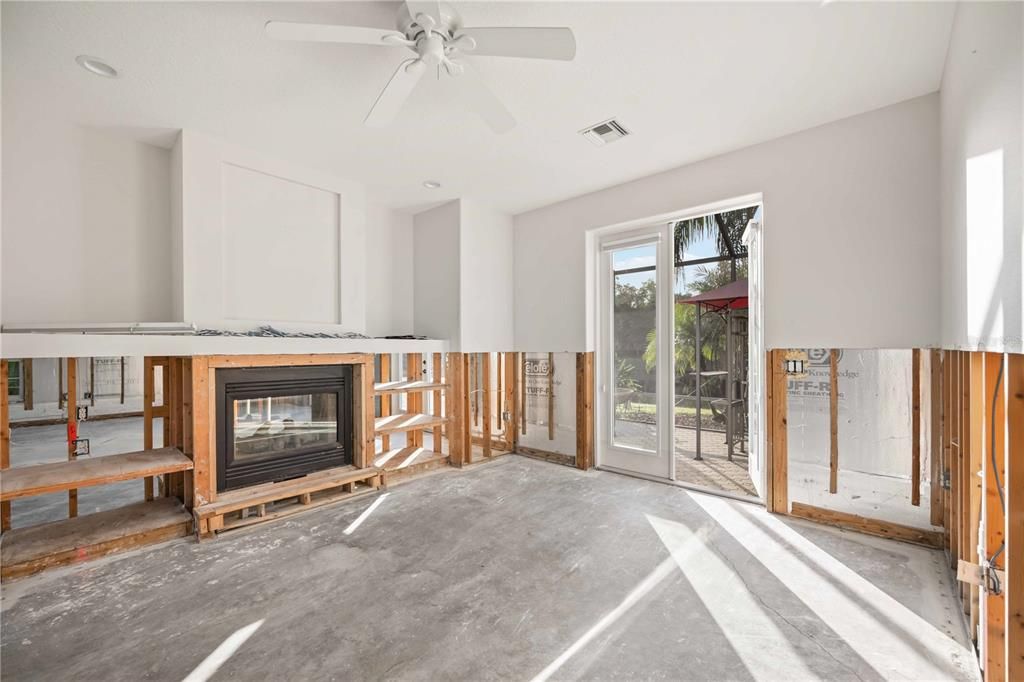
pixel 753 237
pixel 659 463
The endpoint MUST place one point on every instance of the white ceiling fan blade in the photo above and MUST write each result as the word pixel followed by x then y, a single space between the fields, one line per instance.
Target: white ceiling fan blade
pixel 531 43
pixel 432 8
pixel 478 97
pixel 392 97
pixel 329 33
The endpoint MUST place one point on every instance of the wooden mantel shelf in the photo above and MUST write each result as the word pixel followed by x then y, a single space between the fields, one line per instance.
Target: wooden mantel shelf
pixel 86 471
pixel 67 345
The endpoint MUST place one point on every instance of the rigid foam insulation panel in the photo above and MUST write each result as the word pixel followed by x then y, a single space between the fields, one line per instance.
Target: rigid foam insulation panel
pixel 874 435
pixel 540 390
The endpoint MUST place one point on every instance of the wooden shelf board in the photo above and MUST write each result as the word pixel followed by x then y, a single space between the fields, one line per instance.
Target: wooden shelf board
pixel 403 458
pixel 235 500
pixel 407 421
pixel 28 550
pixel 87 471
pixel 408 387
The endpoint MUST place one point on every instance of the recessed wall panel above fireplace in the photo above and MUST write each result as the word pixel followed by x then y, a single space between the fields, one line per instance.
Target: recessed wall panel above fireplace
pixel 276 423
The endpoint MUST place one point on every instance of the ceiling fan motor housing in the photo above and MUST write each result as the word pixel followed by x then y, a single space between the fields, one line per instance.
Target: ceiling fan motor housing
pixel 450 22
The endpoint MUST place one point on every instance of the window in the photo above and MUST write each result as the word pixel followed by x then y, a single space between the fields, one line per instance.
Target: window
pixel 14 378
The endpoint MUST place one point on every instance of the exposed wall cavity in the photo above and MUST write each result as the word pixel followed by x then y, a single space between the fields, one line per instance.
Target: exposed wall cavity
pixel 875 438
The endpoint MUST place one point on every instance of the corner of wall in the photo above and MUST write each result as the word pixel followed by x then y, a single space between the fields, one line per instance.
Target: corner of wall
pixel 177 241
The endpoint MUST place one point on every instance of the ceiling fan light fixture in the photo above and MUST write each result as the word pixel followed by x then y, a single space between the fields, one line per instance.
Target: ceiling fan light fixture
pixel 434 32
pixel 96 66
pixel 432 184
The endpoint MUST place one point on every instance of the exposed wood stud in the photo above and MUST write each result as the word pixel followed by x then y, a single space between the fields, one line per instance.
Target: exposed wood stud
pixel 1013 486
pixel 499 388
pixel 778 484
pixel 551 396
pixel 72 404
pixel 188 492
pixel 28 385
pixel 974 414
pixel 915 428
pixel 995 604
pixel 935 412
pixel 511 400
pixel 5 442
pixel 385 399
pixel 363 414
pixel 833 403
pixel 485 397
pixel 522 392
pixel 414 401
pixel 584 410
pixel 953 416
pixel 453 399
pixel 465 434
pixel 474 386
pixel 436 436
pixel 148 398
pixel 203 435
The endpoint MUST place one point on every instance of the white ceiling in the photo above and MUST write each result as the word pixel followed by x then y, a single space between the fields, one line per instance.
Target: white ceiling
pixel 690 80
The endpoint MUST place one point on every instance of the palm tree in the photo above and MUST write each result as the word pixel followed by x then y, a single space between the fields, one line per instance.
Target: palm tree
pixel 684 345
pixel 726 228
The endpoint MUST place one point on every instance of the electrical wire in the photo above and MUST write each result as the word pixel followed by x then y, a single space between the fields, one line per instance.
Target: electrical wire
pixel 994 586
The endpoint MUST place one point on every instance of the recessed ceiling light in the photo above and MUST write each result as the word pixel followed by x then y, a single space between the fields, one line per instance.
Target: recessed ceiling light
pixel 431 184
pixel 96 66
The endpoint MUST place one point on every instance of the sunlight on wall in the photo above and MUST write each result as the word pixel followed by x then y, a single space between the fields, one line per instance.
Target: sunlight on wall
pixel 984 247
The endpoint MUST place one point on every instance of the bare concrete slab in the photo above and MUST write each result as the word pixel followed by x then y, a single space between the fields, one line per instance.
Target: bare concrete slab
pixel 517 569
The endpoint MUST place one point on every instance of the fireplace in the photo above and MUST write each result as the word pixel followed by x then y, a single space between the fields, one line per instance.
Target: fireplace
pixel 277 423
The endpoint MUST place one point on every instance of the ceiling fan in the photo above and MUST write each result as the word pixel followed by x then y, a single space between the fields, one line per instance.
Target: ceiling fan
pixel 434 31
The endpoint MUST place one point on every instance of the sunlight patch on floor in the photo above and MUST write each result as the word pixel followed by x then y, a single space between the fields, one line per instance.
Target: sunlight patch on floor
pixel 662 571
pixel 226 650
pixel 888 636
pixel 736 611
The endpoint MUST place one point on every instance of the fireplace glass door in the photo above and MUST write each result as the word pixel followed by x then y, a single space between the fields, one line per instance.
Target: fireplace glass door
pixel 276 423
pixel 264 426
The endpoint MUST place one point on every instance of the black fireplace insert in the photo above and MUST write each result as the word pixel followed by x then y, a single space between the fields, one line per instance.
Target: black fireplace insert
pixel 276 423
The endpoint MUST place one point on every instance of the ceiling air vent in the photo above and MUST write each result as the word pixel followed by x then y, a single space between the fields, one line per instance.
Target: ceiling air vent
pixel 605 132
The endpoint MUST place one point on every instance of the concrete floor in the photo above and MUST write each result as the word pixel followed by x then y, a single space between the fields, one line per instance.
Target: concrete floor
pixel 514 569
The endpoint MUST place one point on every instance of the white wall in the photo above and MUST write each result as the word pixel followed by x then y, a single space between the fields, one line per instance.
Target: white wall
pixel 982 115
pixel 389 284
pixel 436 280
pixel 266 241
pixel 851 234
pixel 86 224
pixel 463 288
pixel 487 291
